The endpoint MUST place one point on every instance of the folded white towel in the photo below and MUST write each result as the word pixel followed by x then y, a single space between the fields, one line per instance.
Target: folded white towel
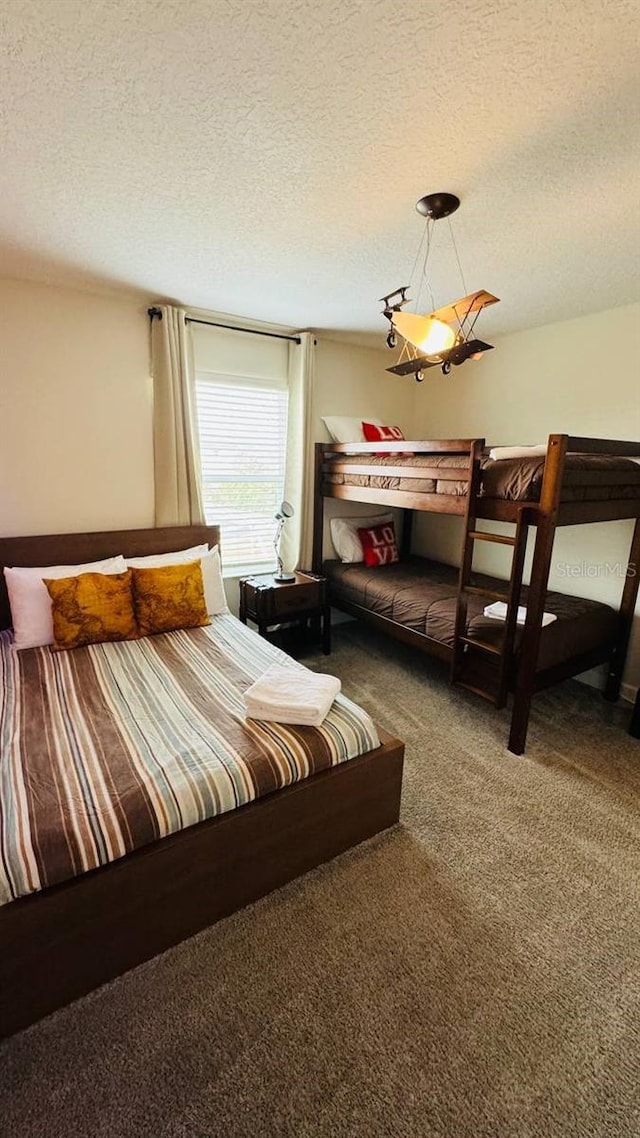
pixel 497 453
pixel 291 695
pixel 498 611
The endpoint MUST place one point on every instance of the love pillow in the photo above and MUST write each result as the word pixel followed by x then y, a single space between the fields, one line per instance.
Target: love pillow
pixel 379 545
pixel 374 433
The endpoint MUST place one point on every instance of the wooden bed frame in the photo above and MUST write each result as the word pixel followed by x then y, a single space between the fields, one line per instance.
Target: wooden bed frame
pixel 61 943
pixel 545 515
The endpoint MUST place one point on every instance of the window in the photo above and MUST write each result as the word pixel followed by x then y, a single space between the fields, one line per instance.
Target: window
pixel 243 430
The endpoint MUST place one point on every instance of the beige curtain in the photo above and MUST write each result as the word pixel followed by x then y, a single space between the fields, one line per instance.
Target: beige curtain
pixel 178 497
pixel 299 469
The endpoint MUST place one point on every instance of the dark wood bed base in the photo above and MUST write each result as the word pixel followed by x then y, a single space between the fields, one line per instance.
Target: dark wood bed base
pixel 544 678
pixel 545 515
pixel 61 943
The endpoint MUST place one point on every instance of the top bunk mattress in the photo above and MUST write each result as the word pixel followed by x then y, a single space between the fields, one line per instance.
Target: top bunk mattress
pixel 106 748
pixel 587 478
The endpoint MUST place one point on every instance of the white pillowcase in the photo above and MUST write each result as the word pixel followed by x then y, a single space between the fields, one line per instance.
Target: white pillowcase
pixel 345 429
pixel 30 601
pixel 344 534
pixel 498 453
pixel 209 559
pixel 180 557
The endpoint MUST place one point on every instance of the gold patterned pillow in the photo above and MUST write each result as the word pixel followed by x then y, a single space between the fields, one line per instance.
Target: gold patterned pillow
pixel 91 608
pixel 169 597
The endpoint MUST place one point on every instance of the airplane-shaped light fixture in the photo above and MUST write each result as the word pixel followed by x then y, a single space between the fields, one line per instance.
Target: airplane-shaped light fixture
pixel 442 337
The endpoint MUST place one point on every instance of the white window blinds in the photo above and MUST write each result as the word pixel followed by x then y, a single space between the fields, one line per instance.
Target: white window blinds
pixel 242 429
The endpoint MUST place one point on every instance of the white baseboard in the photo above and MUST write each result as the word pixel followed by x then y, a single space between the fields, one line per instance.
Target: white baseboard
pixel 628 692
pixel 596 678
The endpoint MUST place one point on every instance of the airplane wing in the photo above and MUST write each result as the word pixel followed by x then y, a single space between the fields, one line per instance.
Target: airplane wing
pixel 410 367
pixel 464 307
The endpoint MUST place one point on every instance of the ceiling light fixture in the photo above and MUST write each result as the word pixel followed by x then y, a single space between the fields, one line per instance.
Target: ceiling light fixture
pixel 443 336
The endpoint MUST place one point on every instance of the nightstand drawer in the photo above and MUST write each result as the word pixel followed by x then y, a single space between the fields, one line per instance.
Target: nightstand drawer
pixel 296 598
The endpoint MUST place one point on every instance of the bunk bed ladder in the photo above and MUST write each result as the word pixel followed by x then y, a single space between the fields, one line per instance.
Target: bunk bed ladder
pixel 464 645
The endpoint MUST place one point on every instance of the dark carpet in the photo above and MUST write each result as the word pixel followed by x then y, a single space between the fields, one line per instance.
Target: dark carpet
pixel 474 973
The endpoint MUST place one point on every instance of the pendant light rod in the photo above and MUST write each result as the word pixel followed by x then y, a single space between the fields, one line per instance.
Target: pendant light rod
pixel 455 249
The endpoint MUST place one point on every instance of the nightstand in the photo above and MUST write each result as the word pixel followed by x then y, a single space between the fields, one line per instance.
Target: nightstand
pixel 268 602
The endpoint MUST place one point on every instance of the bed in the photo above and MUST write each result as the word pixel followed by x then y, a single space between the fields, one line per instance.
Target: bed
pixel 138 806
pixel 421 596
pixel 576 481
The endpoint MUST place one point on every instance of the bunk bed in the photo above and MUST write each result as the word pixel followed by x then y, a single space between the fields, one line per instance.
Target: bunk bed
pixel 577 481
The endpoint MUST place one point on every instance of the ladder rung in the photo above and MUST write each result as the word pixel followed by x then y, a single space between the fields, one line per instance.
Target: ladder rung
pixel 477 691
pixel 480 591
pixel 500 538
pixel 483 645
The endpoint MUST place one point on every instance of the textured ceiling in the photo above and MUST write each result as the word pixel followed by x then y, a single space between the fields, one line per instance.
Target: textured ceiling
pixel 264 159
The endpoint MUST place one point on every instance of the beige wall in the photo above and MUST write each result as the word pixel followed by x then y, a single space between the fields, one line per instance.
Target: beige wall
pixel 352 380
pixel 75 409
pixel 580 377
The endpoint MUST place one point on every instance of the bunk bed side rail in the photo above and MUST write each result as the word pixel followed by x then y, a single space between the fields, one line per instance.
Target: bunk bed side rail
pixel 421 446
pixel 615 448
pixel 445 473
pixel 403 499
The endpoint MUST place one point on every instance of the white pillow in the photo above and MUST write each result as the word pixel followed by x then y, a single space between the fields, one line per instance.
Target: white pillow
pixel 345 429
pixel 209 559
pixel 156 560
pixel 30 601
pixel 344 535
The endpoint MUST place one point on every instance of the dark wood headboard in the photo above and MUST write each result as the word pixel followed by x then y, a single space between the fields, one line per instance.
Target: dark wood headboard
pixel 76 548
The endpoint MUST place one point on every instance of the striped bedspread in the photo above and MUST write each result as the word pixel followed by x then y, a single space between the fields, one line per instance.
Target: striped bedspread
pixel 104 749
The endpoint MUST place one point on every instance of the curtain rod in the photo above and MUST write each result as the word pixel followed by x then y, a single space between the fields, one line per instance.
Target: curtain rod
pixel 152 312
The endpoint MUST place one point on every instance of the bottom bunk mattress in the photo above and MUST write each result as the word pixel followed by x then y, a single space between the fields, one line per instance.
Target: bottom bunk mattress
pixel 107 748
pixel 421 595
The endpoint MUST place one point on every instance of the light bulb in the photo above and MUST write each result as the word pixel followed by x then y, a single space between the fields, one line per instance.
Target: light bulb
pixel 427 333
pixel 439 337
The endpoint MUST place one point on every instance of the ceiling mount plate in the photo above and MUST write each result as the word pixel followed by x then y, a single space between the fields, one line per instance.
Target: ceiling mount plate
pixel 436 206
